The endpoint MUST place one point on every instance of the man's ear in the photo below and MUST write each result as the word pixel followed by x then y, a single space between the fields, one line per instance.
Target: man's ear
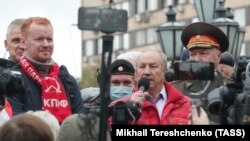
pixel 219 57
pixel 166 70
pixel 6 45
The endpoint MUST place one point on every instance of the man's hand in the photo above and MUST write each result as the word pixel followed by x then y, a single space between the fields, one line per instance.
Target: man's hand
pixel 198 116
pixel 138 98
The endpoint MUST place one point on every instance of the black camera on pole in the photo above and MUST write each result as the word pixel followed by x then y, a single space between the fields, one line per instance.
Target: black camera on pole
pixel 107 20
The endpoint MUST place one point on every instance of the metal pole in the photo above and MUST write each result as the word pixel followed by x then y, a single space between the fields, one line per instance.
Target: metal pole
pixel 107 48
pixel 174 48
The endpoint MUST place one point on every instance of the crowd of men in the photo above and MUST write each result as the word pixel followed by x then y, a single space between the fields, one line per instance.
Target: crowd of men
pixel 48 87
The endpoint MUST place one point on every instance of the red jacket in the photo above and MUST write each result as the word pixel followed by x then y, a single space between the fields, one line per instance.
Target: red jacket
pixel 176 110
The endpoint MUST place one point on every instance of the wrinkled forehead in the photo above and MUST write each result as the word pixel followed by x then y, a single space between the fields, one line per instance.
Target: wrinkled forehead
pixel 151 62
pixel 15 29
pixel 150 58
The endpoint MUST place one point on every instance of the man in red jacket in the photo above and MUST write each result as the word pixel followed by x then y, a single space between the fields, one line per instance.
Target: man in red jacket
pixel 161 103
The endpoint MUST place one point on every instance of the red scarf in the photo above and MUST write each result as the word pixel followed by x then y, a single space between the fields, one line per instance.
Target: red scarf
pixel 54 97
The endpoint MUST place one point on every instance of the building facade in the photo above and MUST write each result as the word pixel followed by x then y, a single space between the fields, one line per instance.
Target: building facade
pixel 144 16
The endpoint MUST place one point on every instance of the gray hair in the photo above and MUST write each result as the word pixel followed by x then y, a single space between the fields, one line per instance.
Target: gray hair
pixel 16 22
pixel 162 55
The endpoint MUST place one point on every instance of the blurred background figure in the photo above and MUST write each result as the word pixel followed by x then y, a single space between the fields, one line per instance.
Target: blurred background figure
pixel 91 96
pixel 81 127
pixel 184 55
pixel 49 118
pixel 130 56
pixel 26 127
pixel 170 76
pixel 226 65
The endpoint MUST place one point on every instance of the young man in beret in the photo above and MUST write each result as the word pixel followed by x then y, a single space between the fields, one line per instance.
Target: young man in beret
pixel 122 79
pixel 205 43
pixel 121 83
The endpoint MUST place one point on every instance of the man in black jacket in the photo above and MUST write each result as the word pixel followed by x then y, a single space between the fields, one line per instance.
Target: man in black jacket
pixel 13 46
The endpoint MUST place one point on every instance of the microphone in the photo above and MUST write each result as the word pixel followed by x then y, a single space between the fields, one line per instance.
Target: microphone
pixel 143 84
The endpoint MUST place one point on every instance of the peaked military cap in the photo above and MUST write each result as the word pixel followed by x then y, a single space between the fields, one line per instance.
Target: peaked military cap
pixel 204 35
pixel 121 66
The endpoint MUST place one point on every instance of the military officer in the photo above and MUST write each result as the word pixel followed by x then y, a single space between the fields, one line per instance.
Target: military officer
pixel 205 43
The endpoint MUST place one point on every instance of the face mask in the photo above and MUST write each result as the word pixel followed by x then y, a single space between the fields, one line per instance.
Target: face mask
pixel 117 92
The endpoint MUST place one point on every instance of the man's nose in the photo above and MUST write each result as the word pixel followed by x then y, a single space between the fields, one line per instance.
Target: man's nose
pixel 147 70
pixel 21 46
pixel 45 42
